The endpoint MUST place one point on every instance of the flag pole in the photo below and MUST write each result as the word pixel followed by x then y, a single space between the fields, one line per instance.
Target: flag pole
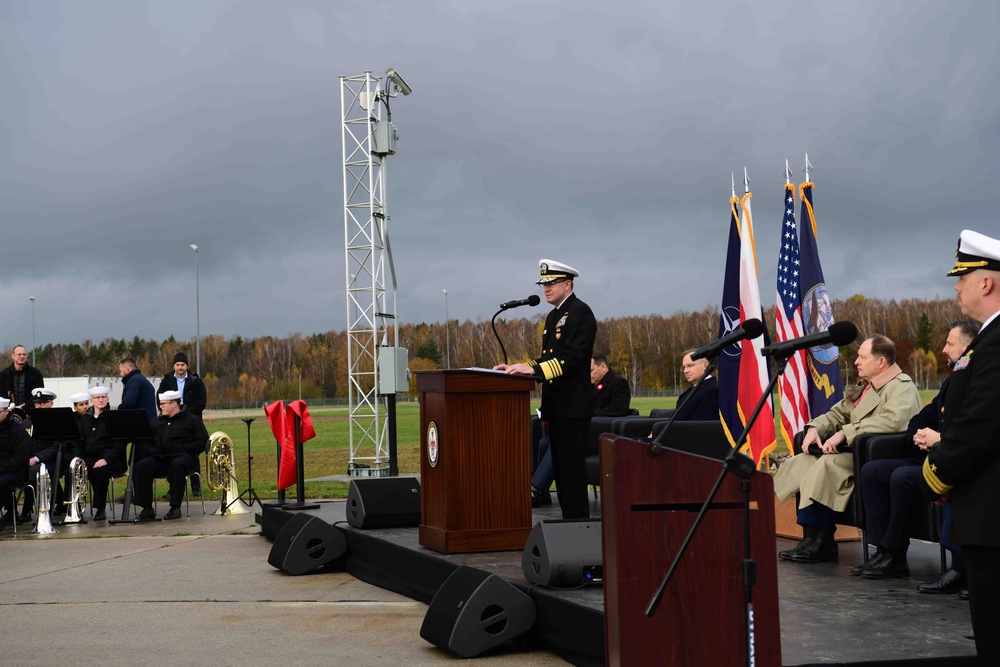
pixel 732 175
pixel 788 173
pixel 807 167
pixel 746 181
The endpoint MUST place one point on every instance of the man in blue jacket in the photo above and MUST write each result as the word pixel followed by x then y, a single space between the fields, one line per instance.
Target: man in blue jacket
pixel 137 391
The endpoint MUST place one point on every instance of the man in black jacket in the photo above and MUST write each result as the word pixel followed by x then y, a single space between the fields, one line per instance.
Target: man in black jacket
pixel 15 448
pixel 179 437
pixel 700 401
pixel 194 398
pixel 18 380
pixel 137 390
pixel 564 371
pixel 964 467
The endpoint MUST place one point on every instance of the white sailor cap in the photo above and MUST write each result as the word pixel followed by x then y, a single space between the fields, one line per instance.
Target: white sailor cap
pixel 4 403
pixel 170 395
pixel 82 397
pixel 975 251
pixel 98 391
pixel 43 395
pixel 550 271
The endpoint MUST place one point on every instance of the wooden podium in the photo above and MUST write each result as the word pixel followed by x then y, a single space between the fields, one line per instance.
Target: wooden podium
pixel 475 443
pixel 649 503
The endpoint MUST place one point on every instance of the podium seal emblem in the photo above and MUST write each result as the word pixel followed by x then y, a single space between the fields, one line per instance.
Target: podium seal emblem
pixel 432 444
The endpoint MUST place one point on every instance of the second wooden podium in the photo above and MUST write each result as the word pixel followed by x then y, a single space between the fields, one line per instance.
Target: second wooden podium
pixel 475 472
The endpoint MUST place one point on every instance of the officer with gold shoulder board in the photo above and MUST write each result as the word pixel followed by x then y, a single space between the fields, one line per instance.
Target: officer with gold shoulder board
pixel 963 468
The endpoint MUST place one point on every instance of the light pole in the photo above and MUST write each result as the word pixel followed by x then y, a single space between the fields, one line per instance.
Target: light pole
pixel 32 299
pixel 447 328
pixel 197 312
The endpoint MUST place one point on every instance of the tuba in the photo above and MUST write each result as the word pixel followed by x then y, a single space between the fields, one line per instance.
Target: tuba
pixel 43 500
pixel 222 474
pixel 77 491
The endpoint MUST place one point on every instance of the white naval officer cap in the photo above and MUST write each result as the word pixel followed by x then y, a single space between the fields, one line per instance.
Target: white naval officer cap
pixel 4 403
pixel 550 271
pixel 975 251
pixel 44 395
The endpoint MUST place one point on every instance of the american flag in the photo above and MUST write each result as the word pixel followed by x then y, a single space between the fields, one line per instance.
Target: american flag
pixel 792 391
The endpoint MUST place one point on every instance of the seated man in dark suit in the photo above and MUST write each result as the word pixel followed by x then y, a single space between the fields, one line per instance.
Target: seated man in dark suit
pixel 700 401
pixel 612 396
pixel 179 437
pixel 891 488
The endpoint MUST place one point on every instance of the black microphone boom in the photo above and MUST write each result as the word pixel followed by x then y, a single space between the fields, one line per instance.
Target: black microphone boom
pixel 839 333
pixel 750 329
pixel 532 301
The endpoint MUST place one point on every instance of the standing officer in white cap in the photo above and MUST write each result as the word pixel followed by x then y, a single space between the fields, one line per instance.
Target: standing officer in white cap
pixel 963 468
pixel 564 371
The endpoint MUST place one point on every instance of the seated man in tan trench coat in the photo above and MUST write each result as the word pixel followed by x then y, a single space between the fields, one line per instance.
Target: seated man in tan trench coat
pixel 882 402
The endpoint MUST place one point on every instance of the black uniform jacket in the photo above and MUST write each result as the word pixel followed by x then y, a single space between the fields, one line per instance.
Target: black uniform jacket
pixel 703 404
pixel 15 448
pixel 98 443
pixel 184 433
pixel 965 464
pixel 611 396
pixel 564 366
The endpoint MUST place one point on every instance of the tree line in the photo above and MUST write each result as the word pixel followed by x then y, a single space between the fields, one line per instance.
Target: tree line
pixel 646 349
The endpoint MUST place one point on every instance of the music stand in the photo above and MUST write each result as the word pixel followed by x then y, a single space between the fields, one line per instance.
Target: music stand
pixel 55 425
pixel 129 426
pixel 249 491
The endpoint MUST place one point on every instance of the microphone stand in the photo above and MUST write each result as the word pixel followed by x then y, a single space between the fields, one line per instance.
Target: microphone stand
pixel 658 440
pixel 249 491
pixel 744 468
pixel 493 322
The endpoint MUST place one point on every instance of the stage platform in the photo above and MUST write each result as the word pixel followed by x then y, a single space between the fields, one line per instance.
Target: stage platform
pixel 827 616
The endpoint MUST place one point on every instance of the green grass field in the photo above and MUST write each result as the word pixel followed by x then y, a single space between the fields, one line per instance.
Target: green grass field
pixel 328 453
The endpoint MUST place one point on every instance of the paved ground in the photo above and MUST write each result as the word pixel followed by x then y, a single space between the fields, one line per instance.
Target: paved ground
pixel 197 591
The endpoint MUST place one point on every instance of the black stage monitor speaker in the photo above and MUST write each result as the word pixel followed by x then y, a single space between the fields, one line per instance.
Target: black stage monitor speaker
pixel 305 544
pixel 564 554
pixel 474 611
pixel 383 502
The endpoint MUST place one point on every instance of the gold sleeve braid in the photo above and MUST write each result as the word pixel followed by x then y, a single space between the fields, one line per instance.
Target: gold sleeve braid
pixel 551 368
pixel 933 481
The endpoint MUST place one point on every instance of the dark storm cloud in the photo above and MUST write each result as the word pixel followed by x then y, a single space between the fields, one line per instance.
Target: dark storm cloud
pixel 600 135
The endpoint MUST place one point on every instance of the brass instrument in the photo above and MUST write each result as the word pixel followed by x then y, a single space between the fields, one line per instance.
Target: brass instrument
pixel 77 491
pixel 222 474
pixel 43 500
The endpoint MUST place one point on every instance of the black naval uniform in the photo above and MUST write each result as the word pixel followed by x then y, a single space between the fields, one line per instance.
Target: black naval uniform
pixel 97 445
pixel 15 448
pixel 567 398
pixel 965 465
pixel 177 443
pixel 47 453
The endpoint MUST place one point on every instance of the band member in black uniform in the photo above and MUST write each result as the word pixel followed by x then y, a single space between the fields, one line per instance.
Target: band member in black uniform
pixel 104 457
pixel 45 452
pixel 194 398
pixel 15 448
pixel 963 468
pixel 564 371
pixel 180 436
pixel 81 402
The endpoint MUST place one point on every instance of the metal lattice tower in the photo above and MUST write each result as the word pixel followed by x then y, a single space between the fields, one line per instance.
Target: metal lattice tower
pixel 370 312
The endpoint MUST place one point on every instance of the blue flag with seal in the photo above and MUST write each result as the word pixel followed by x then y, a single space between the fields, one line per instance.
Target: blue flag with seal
pixel 822 361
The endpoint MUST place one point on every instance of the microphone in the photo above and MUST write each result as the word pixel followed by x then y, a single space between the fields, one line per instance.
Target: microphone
pixel 532 300
pixel 839 333
pixel 750 329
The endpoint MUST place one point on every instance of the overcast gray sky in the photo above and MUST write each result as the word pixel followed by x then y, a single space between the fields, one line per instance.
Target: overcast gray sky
pixel 599 134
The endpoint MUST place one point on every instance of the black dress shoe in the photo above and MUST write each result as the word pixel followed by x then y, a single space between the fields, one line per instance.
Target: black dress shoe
pixel 146 515
pixel 789 554
pixel 891 567
pixel 174 513
pixel 950 581
pixel 819 551
pixel 100 516
pixel 24 517
pixel 539 497
pixel 963 594
pixel 871 562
